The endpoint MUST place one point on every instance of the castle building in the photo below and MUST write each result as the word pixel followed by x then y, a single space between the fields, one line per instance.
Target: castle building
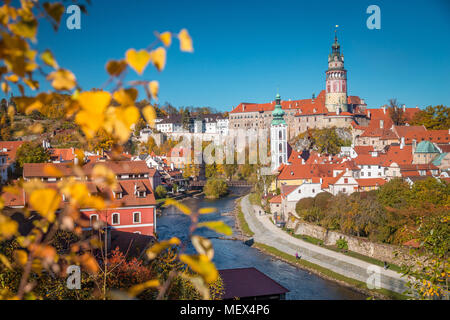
pixel 336 80
pixel 332 107
pixel 278 136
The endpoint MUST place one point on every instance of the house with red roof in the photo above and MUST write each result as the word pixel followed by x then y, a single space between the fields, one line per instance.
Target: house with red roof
pixel 132 202
pixel 8 149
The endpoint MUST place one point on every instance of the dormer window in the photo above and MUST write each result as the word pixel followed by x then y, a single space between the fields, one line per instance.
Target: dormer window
pixel 119 195
pixel 141 194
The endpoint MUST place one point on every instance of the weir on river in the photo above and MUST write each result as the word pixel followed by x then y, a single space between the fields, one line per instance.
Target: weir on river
pixel 232 252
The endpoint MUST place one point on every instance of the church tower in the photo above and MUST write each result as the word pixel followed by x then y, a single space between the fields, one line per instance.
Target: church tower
pixel 336 80
pixel 278 136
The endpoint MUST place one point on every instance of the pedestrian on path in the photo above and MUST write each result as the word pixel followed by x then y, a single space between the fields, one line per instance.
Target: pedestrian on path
pixel 386 266
pixel 297 256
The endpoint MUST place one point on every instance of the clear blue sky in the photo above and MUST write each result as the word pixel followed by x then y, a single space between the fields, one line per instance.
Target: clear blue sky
pixel 244 50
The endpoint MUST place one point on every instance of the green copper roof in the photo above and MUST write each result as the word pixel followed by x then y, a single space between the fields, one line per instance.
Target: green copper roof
pixel 426 147
pixel 278 113
pixel 438 160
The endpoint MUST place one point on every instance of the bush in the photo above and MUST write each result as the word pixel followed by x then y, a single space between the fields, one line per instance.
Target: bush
pixel 215 188
pixel 342 244
pixel 161 192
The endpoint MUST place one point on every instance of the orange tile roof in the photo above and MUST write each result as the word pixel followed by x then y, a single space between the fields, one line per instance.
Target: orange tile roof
pixel 10 148
pixel 371 182
pixel 276 199
pixel 59 154
pixel 363 149
pixel 304 106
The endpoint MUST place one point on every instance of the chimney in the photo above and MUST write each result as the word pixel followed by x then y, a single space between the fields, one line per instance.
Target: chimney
pixel 321 180
pixel 243 107
pixel 381 124
pixel 303 161
pixel 384 109
pixel 414 143
pixel 404 108
pixel 402 142
pixel 369 114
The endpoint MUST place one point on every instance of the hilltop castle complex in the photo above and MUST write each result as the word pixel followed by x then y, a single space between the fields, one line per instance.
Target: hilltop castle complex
pixel 333 107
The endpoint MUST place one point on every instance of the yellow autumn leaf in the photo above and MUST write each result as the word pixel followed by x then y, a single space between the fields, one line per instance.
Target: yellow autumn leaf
pixel 185 41
pixel 94 102
pixel 199 284
pixel 89 263
pixel 166 38
pixel 120 120
pixel 153 252
pixel 5 87
pixel 135 290
pixel 49 59
pixel 8 227
pixel 52 171
pixel 153 87
pixel 203 246
pixel 101 174
pixel 36 105
pixel 138 60
pixel 158 57
pixel 201 265
pixel 183 208
pixel 25 28
pixel 116 67
pixel 89 122
pixel 62 79
pixel 217 226
pixel 45 201
pixel 149 115
pixel 125 97
pixel 5 261
pixel 20 257
pixel 13 78
pixel 207 210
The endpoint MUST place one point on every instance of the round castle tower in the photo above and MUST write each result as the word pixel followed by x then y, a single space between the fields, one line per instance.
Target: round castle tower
pixel 336 80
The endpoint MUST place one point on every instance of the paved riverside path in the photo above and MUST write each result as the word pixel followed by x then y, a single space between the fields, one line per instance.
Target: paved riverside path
pixel 267 233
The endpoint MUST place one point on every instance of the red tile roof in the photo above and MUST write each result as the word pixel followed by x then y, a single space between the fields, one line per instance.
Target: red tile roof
pixel 120 167
pixel 276 199
pixel 57 154
pixel 371 182
pixel 304 106
pixel 10 148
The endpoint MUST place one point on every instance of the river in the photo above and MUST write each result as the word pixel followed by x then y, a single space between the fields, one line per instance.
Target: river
pixel 235 254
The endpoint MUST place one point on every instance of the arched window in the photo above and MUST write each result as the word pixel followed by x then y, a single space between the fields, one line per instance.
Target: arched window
pixel 281 159
pixel 280 135
pixel 115 218
pixel 93 218
pixel 280 147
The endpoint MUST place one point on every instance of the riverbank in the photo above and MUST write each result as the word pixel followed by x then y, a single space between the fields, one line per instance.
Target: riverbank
pixel 327 264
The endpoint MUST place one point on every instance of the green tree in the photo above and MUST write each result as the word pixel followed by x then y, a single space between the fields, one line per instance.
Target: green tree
pixel 30 152
pixel 326 140
pixel 395 193
pixel 161 191
pixel 230 170
pixel 215 188
pixel 433 118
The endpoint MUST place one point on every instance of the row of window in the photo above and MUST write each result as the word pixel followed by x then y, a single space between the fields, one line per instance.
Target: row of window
pixel 116 218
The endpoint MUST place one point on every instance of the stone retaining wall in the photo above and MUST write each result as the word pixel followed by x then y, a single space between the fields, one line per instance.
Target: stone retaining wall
pixel 384 252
